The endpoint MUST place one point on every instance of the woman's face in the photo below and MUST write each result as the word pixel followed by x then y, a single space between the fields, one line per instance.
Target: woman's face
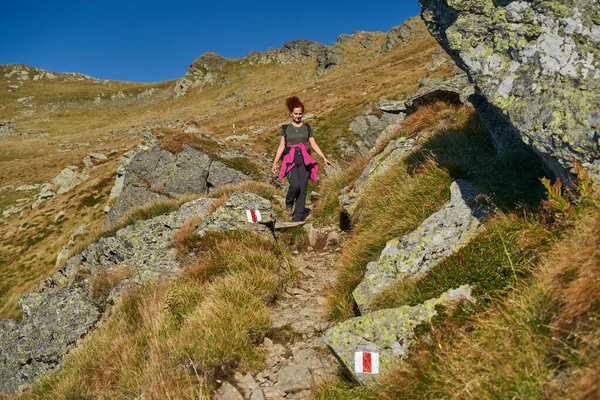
pixel 296 114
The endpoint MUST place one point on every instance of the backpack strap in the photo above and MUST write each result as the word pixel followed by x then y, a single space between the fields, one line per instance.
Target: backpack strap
pixel 284 130
pixel 309 129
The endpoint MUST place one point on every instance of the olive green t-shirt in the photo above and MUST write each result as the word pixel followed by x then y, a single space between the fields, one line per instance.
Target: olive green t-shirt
pixel 295 135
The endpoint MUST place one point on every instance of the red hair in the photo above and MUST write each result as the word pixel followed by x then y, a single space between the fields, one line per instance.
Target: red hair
pixel 294 102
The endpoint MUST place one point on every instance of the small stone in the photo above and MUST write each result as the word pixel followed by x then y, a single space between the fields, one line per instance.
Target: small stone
pixel 246 384
pixel 267 342
pixel 228 392
pixel 257 395
pixel 59 215
pixel 274 394
pixel 293 378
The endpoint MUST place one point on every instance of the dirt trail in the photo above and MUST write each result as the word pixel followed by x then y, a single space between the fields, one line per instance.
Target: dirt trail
pixel 297 356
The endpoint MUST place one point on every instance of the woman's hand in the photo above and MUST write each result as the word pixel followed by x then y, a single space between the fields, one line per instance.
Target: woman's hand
pixel 327 162
pixel 274 169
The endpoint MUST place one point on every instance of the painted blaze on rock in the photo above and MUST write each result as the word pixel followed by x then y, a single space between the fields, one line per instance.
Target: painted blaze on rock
pixel 386 333
pixel 242 211
pixel 538 63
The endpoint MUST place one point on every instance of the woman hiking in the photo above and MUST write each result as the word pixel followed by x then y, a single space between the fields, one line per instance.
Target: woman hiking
pixel 297 163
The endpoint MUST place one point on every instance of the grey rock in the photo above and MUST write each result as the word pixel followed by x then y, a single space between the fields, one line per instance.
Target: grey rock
pixel 145 246
pixel 370 127
pixel 293 378
pixel 399 35
pixel 121 169
pixel 391 106
pixel 347 148
pixel 159 175
pixel 6 128
pixel 440 235
pixel 389 333
pixel 68 179
pixel 228 392
pixel 536 66
pixel 246 384
pixel 329 58
pixel 438 58
pixel 455 90
pixel 27 187
pixel 235 214
pixel 257 395
pixel 53 322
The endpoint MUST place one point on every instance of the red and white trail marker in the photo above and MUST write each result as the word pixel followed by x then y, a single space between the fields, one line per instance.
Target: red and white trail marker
pixel 253 215
pixel 366 362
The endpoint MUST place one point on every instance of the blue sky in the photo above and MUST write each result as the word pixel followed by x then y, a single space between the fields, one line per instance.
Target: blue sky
pixel 151 41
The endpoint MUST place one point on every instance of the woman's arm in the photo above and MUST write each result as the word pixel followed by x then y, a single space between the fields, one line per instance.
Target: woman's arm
pixel 317 149
pixel 278 154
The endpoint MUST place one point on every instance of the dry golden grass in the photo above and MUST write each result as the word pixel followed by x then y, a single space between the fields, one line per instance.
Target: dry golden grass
pixel 171 339
pixel 433 118
pixel 180 237
pixel 105 281
pixel 386 209
pixel 328 209
pixel 540 341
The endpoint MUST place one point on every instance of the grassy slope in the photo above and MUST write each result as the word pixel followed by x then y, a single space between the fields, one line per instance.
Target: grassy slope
pixel 533 332
pixel 64 108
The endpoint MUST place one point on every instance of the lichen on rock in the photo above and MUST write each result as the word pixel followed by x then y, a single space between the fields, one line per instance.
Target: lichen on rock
pixel 389 333
pixel 440 235
pixel 159 175
pixel 243 211
pixel 537 64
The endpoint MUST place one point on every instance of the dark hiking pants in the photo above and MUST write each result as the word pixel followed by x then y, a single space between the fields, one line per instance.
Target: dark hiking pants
pixel 298 178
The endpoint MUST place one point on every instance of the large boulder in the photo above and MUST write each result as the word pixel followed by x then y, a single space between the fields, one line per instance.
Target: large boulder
pixel 387 335
pixel 145 246
pixel 63 309
pixel 159 175
pixel 369 127
pixel 242 211
pixel 538 66
pixel 400 34
pixel 53 322
pixel 439 236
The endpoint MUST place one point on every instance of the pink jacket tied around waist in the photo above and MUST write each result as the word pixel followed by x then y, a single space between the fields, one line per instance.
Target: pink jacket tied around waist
pixel 288 162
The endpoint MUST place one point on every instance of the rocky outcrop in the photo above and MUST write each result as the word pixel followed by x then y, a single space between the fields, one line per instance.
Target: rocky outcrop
pixel 145 246
pixel 439 236
pixel 369 126
pixel 329 58
pixel 387 335
pixel 52 324
pixel 400 34
pixel 456 90
pixel 296 51
pixel 63 310
pixel 208 69
pixel 205 70
pixel 335 55
pixel 242 211
pixel 159 175
pixel 538 66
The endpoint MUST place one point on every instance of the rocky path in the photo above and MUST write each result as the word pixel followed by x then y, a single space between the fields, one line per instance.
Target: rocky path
pixel 297 355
